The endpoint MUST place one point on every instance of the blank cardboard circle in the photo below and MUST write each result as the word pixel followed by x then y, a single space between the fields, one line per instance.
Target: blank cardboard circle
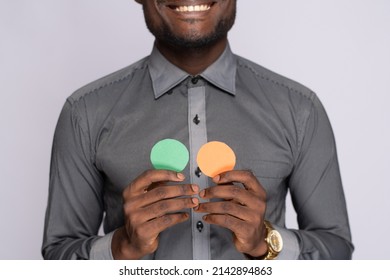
pixel 169 154
pixel 215 158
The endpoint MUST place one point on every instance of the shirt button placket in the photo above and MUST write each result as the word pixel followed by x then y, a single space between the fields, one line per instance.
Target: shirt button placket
pixel 198 137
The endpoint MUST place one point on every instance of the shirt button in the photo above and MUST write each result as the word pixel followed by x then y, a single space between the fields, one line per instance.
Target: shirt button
pixel 198 172
pixel 195 80
pixel 196 120
pixel 199 226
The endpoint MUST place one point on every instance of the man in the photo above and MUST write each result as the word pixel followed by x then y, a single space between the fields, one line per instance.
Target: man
pixel 194 89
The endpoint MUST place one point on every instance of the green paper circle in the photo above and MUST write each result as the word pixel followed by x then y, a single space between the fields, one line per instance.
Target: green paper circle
pixel 169 154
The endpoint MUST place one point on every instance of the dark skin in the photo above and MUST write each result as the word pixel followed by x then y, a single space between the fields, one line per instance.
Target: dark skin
pixel 241 210
pixel 151 202
pixel 164 22
pixel 148 205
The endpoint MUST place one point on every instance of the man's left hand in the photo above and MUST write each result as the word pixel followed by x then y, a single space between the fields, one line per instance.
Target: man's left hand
pixel 241 210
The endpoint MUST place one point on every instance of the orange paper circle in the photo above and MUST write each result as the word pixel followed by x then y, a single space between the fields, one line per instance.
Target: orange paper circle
pixel 215 158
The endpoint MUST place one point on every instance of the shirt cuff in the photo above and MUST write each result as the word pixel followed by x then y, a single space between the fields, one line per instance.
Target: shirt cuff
pixel 101 248
pixel 290 249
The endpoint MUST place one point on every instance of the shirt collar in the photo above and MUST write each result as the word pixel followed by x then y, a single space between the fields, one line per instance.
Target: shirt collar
pixel 165 75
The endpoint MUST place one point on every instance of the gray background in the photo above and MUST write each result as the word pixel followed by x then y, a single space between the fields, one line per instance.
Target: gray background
pixel 338 48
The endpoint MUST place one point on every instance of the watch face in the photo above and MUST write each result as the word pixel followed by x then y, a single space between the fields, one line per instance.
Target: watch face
pixel 275 241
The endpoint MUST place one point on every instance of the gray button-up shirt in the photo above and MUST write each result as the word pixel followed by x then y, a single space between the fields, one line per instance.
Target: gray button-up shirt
pixel 277 128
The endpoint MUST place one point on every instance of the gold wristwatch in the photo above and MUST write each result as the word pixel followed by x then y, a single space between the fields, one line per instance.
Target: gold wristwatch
pixel 274 242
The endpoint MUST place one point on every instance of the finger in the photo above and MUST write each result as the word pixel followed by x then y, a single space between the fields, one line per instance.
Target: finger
pixel 164 207
pixel 226 207
pixel 232 192
pixel 247 235
pixel 149 177
pixel 226 221
pixel 164 192
pixel 245 177
pixel 156 226
pixel 156 185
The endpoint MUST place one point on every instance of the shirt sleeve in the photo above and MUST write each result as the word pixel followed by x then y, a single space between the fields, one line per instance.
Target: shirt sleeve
pixel 290 244
pixel 317 192
pixel 101 248
pixel 75 205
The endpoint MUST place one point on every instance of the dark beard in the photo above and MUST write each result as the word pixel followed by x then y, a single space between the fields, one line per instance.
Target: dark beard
pixel 192 41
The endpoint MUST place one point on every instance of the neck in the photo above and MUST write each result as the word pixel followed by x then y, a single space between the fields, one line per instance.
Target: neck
pixel 193 61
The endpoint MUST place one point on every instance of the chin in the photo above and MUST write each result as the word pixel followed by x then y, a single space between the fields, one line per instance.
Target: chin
pixel 194 40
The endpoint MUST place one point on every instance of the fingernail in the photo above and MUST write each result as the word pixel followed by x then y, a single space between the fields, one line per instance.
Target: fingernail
pixel 217 178
pixel 205 217
pixel 195 188
pixel 180 176
pixel 195 201
pixel 202 193
pixel 196 208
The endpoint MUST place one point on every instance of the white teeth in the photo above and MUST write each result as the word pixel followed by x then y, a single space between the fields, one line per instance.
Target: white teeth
pixel 196 8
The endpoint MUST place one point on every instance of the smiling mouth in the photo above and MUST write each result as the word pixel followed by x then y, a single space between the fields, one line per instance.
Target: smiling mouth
pixel 192 8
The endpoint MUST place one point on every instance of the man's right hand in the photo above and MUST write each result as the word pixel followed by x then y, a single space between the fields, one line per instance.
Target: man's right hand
pixel 151 205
